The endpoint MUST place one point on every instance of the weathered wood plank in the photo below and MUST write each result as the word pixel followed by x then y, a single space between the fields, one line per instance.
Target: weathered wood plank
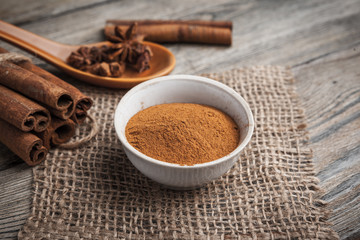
pixel 330 90
pixel 19 12
pixel 15 194
pixel 319 39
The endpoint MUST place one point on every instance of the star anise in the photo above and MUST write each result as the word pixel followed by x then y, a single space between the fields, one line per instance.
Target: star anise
pixel 120 36
pixel 141 60
pixel 111 60
pixel 125 43
pixel 86 56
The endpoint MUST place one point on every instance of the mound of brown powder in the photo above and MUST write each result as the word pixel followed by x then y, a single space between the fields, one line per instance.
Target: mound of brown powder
pixel 183 133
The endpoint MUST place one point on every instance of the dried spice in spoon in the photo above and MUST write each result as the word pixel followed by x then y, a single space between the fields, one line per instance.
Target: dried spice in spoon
pixel 127 50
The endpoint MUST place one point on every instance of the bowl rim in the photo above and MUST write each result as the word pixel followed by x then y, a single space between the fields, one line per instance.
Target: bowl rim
pixel 203 80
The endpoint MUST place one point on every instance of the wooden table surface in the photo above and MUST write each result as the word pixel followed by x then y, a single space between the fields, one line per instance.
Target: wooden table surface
pixel 319 40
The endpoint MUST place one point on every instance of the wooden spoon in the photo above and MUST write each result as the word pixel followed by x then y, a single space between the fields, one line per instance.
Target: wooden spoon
pixel 162 62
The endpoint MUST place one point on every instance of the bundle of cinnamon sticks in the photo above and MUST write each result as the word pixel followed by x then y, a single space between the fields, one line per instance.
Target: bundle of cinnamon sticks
pixel 38 110
pixel 171 31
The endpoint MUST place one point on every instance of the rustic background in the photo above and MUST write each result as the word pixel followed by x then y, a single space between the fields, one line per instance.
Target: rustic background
pixel 319 40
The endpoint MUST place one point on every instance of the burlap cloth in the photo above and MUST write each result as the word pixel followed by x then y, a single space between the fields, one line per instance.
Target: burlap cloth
pixel 94 192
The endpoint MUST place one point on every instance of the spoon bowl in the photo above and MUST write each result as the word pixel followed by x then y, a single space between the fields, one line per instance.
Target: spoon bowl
pixel 162 62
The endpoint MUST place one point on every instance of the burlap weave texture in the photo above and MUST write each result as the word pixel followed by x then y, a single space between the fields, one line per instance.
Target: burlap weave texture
pixel 94 192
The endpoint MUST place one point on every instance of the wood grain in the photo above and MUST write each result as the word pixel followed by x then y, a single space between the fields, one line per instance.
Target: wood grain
pixel 319 40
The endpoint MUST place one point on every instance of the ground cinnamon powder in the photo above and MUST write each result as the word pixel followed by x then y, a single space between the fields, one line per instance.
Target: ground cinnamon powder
pixel 183 133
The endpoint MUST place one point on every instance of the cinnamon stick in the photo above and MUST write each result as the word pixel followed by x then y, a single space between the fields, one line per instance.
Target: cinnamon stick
pixel 82 102
pixel 59 100
pixel 21 112
pixel 221 24
pixel 193 31
pixel 58 132
pixel 24 144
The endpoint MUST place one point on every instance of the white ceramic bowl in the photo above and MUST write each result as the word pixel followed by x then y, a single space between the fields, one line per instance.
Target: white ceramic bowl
pixel 183 89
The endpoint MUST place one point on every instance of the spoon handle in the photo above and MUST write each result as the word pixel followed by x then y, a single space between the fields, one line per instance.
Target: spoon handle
pixel 42 47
